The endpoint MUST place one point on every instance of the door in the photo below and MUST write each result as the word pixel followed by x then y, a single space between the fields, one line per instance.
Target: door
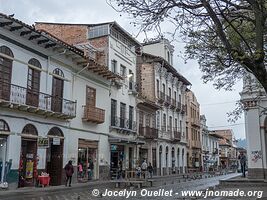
pixel 33 85
pixel 5 73
pixel 154 160
pixel 90 96
pixel 55 162
pixel 57 94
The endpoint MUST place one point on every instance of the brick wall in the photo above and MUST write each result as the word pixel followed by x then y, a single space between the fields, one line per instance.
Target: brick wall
pixel 147 81
pixel 71 34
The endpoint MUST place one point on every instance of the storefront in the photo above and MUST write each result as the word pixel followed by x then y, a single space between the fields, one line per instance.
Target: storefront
pixel 28 155
pixel 4 165
pixel 87 160
pixel 143 155
pixel 54 156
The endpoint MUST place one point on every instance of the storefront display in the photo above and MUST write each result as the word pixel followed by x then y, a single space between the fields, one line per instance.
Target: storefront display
pixel 87 160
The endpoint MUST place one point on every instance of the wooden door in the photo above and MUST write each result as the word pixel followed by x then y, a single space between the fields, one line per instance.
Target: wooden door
pixel 5 78
pixel 33 85
pixel 90 96
pixel 57 94
pixel 55 162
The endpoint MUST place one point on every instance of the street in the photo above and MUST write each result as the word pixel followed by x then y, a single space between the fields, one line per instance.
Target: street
pixel 85 192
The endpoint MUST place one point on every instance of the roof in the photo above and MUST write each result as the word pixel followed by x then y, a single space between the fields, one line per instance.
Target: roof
pixel 47 40
pixel 112 23
pixel 168 67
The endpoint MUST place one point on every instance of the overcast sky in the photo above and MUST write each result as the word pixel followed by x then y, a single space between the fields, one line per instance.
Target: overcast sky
pixel 214 104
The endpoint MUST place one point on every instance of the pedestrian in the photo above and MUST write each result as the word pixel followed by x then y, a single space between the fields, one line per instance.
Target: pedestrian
pixel 80 170
pixel 150 170
pixel 144 168
pixel 69 170
pixel 242 158
pixel 90 169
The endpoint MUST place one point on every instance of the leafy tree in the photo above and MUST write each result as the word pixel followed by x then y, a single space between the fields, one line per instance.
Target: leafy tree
pixel 227 37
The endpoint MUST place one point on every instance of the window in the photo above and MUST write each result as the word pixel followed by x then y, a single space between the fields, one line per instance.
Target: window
pixel 30 129
pixel 5 73
pixel 57 91
pixel 97 31
pixel 4 126
pixel 170 123
pixel 164 122
pixel 163 88
pixel 114 66
pixel 168 57
pixel 141 118
pixel 180 127
pixel 122 114
pixel 175 96
pixel 170 92
pixel 131 113
pixel 157 88
pixel 176 123
pixel 123 71
pixel 113 112
pixel 180 98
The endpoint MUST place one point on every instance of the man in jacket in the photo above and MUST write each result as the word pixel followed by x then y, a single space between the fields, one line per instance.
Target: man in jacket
pixel 69 170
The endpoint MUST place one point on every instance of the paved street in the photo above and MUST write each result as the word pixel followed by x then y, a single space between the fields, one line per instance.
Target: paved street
pixel 85 192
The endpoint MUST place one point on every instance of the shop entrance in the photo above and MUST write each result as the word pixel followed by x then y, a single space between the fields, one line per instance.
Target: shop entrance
pixel 116 160
pixel 28 163
pixel 87 160
pixel 54 156
pixel 4 165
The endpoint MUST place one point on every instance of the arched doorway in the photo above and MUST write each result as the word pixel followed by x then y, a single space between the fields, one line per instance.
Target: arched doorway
pixel 160 160
pixel 178 160
pixel 5 73
pixel 4 128
pixel 54 155
pixel 167 161
pixel 173 161
pixel 28 155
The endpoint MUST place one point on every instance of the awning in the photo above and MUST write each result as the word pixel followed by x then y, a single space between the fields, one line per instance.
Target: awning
pixel 125 141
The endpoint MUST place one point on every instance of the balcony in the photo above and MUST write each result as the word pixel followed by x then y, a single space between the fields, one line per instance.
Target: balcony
pixel 176 135
pixel 93 114
pixel 148 132
pixel 123 124
pixel 23 99
pixel 173 104
pixel 169 129
pixel 167 100
pixel 179 107
pixel 195 121
pixel 183 110
pixel 163 129
pixel 161 97
pixel 196 144
pixel 132 88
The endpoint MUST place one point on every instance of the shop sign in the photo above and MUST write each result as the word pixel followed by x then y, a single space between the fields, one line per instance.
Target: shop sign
pixel 56 141
pixel 113 147
pixel 43 142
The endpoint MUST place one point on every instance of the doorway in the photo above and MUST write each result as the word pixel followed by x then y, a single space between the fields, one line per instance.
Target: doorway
pixel 57 91
pixel 54 156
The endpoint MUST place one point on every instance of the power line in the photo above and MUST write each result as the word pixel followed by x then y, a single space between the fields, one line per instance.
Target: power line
pixel 218 103
pixel 226 125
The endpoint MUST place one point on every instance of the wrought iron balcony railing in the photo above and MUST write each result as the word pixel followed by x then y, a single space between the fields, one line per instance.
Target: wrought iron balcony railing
pixel 94 114
pixel 123 123
pixel 25 99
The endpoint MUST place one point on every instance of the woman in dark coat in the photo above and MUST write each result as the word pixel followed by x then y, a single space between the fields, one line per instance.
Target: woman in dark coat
pixel 69 170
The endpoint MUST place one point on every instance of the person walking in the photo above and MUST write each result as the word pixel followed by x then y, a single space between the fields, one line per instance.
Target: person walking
pixel 144 168
pixel 243 160
pixel 69 170
pixel 90 169
pixel 150 170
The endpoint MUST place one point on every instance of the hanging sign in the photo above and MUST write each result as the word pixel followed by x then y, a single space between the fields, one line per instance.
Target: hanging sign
pixel 56 141
pixel 43 142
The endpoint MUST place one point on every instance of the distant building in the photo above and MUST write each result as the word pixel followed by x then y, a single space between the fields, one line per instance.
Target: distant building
pixel 227 148
pixel 194 154
pixel 210 147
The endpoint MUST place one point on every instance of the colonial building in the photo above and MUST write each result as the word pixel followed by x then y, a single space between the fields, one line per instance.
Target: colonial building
pixel 193 131
pixel 210 147
pixel 52 110
pixel 161 110
pixel 254 100
pixel 227 149
pixel 117 53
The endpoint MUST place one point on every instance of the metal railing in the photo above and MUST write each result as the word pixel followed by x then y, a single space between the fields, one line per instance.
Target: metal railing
pixel 94 114
pixel 23 96
pixel 123 123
